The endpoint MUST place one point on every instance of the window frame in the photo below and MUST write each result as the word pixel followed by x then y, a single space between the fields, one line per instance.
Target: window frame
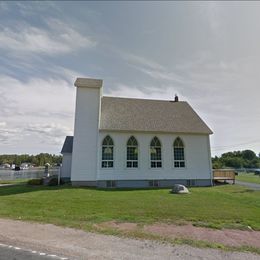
pixel 154 183
pixel 107 161
pixel 156 162
pixel 132 161
pixel 111 184
pixel 179 161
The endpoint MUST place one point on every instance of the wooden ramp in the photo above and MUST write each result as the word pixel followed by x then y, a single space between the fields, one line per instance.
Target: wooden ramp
pixel 224 175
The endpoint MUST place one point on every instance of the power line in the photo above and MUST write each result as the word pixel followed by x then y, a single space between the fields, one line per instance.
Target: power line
pixel 216 148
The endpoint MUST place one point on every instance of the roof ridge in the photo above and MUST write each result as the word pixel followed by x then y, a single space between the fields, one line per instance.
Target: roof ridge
pixel 146 99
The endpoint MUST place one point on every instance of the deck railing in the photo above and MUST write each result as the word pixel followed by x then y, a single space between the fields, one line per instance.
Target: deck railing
pixel 224 175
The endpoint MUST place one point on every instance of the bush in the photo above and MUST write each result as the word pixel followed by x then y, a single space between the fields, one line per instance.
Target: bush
pixel 35 182
pixel 53 181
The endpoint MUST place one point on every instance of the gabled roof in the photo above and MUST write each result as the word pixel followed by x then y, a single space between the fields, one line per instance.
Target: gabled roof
pixel 128 114
pixel 68 145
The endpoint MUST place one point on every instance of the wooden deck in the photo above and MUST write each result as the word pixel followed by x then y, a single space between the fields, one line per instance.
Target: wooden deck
pixel 224 175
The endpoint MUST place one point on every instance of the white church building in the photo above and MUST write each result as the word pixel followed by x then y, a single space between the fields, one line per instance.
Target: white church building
pixel 128 142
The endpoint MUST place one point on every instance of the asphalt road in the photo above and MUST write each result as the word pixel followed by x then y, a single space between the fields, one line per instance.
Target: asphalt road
pixel 253 186
pixel 16 253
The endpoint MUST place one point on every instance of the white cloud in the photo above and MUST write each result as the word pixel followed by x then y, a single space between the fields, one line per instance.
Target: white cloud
pixel 122 90
pixel 36 7
pixel 151 68
pixel 57 38
pixel 163 75
pixel 52 134
pixel 35 96
pixel 211 12
pixel 131 58
pixel 164 92
pixel 65 74
pixel 9 136
pixel 36 113
pixel 3 7
pixel 2 124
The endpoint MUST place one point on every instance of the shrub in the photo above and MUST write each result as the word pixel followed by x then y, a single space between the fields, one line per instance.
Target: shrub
pixel 53 181
pixel 35 182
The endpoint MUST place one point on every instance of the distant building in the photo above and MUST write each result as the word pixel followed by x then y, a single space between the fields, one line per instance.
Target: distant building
pixel 24 166
pixel 126 142
pixel 5 165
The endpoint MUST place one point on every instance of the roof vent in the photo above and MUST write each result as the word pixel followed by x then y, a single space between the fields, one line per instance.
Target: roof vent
pixel 176 98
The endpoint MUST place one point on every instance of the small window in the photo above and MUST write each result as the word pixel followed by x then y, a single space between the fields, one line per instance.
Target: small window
pixel 154 183
pixel 178 153
pixel 156 153
pixel 111 184
pixel 191 183
pixel 132 153
pixel 107 153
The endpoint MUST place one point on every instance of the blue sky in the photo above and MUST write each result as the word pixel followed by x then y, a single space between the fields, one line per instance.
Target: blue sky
pixel 206 52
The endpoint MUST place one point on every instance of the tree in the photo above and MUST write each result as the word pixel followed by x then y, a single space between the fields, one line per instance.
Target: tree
pixel 37 160
pixel 237 159
pixel 233 162
pixel 248 155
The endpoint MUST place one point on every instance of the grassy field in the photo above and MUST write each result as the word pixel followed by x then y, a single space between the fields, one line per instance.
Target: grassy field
pixel 16 181
pixel 248 177
pixel 217 207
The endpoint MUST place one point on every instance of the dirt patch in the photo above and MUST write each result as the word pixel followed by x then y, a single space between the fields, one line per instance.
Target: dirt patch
pixel 77 244
pixel 229 237
pixel 122 226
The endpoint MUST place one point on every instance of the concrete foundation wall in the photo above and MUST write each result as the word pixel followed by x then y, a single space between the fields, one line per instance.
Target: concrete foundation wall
pixel 144 183
pixel 84 183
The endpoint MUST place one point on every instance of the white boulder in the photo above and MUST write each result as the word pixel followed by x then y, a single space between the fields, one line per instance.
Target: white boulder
pixel 179 189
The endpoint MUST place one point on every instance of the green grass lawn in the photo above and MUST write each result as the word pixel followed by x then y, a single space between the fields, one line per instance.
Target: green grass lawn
pixel 16 181
pixel 248 177
pixel 219 206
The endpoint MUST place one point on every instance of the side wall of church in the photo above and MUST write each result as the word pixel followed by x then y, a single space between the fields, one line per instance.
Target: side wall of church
pixel 196 152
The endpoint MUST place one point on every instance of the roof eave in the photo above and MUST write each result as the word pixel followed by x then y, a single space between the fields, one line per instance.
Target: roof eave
pixel 155 131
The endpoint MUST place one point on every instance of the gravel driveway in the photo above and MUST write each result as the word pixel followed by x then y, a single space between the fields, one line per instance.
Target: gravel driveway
pixel 253 186
pixel 77 244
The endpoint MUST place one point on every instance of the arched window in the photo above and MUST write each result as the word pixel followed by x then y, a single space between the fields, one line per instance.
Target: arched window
pixel 156 153
pixel 178 153
pixel 132 153
pixel 107 152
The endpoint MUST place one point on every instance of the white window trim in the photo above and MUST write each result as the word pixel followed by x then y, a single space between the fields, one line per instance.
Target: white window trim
pixel 138 155
pixel 184 152
pixel 109 146
pixel 150 157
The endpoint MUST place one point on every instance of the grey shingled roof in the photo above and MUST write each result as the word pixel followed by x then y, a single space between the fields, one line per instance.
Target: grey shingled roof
pixel 128 114
pixel 68 144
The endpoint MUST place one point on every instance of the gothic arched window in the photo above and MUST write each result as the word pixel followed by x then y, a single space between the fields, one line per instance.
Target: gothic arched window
pixel 178 153
pixel 132 153
pixel 156 153
pixel 107 152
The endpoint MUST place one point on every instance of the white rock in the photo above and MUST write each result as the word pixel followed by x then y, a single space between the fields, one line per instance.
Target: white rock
pixel 179 189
